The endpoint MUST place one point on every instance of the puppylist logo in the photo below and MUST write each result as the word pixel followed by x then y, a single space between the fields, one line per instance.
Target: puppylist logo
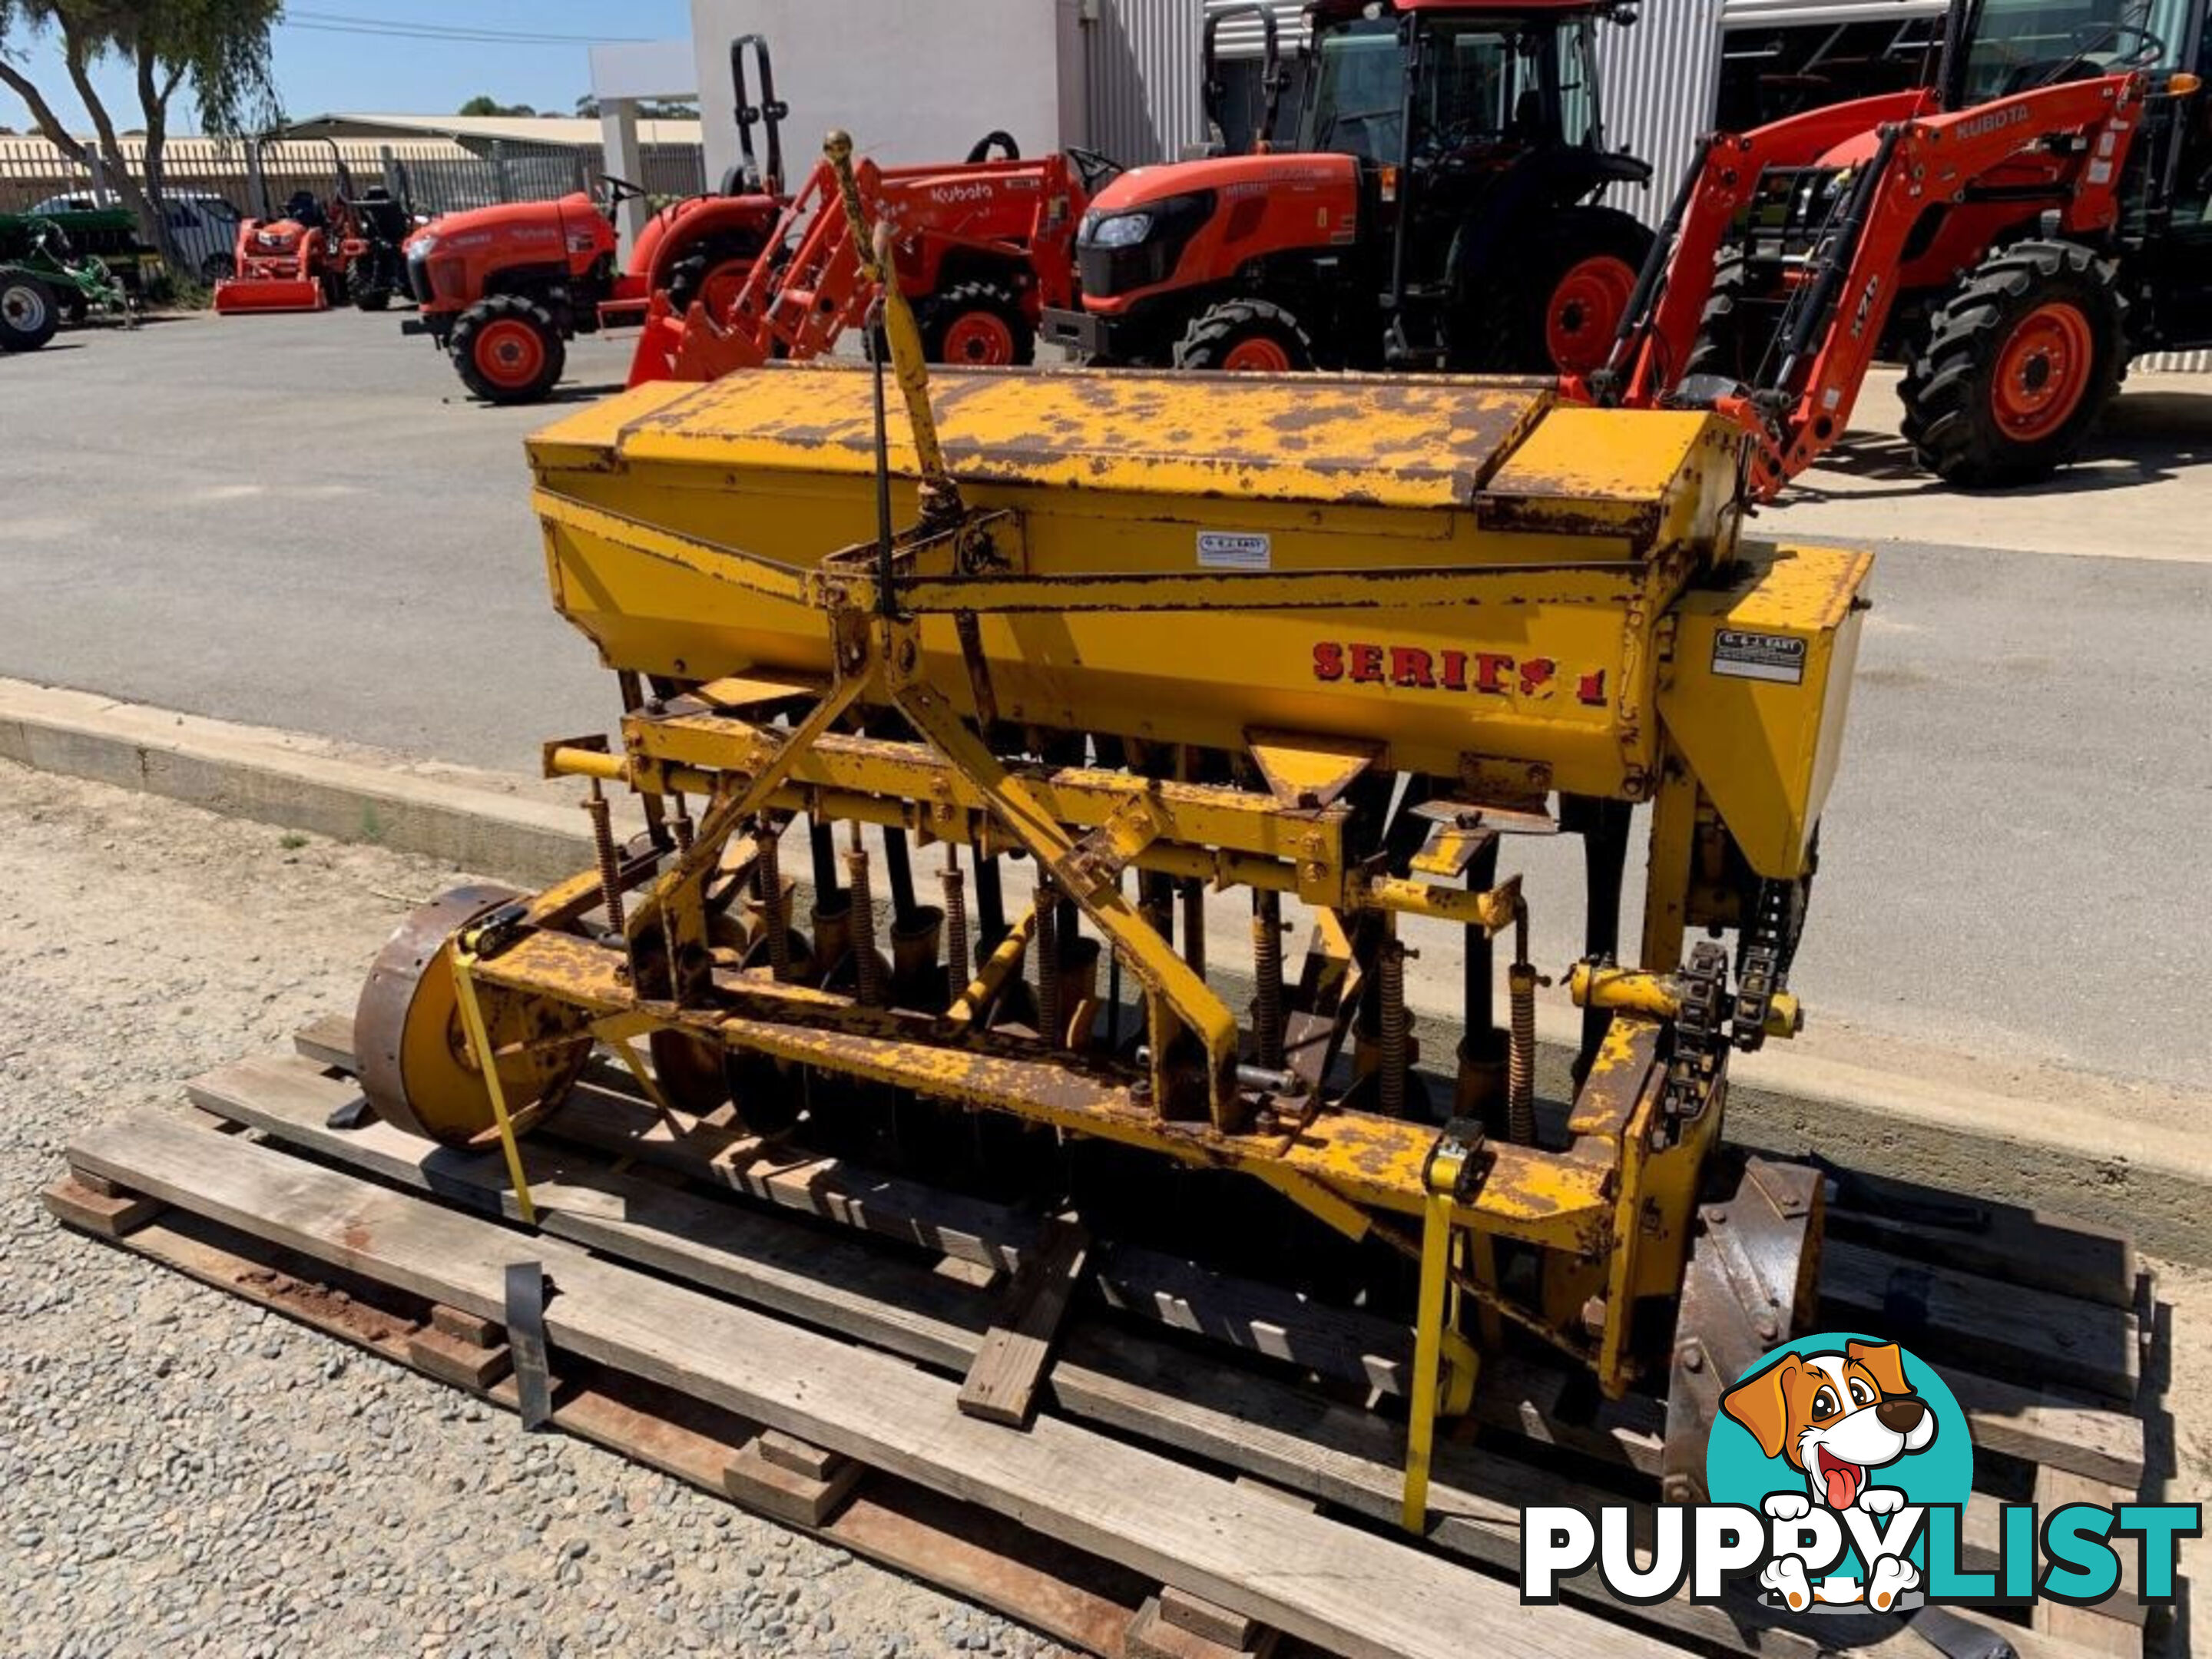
pixel 1839 1471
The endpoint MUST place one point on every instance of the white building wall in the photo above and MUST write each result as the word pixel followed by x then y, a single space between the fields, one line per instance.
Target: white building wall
pixel 911 80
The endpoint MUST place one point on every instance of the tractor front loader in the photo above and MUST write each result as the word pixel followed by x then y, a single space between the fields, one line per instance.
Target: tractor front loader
pixel 2011 235
pixel 980 248
pixel 1323 643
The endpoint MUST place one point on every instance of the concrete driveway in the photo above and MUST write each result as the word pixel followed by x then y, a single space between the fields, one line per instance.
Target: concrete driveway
pixel 303 522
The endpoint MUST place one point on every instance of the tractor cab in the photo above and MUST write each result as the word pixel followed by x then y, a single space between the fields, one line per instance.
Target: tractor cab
pixel 1468 122
pixel 1436 209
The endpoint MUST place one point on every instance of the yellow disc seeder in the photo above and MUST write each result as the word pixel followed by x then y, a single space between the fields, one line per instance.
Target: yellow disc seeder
pixel 1154 637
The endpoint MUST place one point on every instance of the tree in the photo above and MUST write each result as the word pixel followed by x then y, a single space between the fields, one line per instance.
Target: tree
pixel 218 48
pixel 482 105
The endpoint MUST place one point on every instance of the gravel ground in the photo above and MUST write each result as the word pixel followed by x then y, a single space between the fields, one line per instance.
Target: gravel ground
pixel 187 1473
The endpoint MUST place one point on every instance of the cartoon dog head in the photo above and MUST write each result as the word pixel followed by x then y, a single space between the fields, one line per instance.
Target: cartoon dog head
pixel 1834 1416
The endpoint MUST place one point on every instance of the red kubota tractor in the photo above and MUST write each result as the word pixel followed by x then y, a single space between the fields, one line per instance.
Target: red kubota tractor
pixel 316 253
pixel 503 289
pixel 2011 235
pixel 1437 211
pixel 980 249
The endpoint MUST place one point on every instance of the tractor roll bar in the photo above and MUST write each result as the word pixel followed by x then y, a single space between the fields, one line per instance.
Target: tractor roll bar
pixel 1273 79
pixel 770 113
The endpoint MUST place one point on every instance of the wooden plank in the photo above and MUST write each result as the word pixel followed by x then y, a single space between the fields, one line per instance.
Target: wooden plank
pixel 110 1215
pixel 1076 1599
pixel 1314 1578
pixel 1937 1312
pixel 897 1304
pixel 2116 1626
pixel 789 1495
pixel 1226 1629
pixel 1153 1636
pixel 2044 1248
pixel 467 1328
pixel 1288 1435
pixel 327 1041
pixel 469 1365
pixel 2050 1427
pixel 1262 1319
pixel 1003 1379
pixel 605 1113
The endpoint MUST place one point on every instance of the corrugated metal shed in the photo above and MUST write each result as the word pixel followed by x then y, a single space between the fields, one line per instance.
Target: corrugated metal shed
pixel 1246 37
pixel 1661 75
pixel 1141 61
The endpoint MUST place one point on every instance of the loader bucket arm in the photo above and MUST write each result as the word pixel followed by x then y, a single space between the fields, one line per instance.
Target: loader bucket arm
pixel 1836 321
pixel 1659 329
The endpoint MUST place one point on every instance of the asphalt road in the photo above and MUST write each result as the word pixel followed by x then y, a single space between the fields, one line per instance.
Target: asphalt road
pixel 304 522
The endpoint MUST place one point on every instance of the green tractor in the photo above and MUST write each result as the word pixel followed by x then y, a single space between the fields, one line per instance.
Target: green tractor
pixel 51 249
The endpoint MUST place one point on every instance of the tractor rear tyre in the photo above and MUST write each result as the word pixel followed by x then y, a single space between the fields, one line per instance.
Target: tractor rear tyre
pixel 2018 366
pixel 979 325
pixel 509 350
pixel 363 290
pixel 1245 337
pixel 28 313
pixel 1557 309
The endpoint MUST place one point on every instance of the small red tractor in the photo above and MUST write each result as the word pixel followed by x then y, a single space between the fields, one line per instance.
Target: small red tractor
pixel 1437 211
pixel 2011 235
pixel 980 249
pixel 316 253
pixel 503 289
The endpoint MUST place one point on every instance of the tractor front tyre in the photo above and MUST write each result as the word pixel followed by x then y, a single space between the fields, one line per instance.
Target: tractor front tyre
pixel 28 313
pixel 1735 338
pixel 977 325
pixel 509 350
pixel 1245 337
pixel 363 289
pixel 2019 365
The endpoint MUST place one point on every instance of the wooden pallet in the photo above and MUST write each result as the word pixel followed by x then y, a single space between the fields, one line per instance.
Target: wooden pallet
pixel 711 1292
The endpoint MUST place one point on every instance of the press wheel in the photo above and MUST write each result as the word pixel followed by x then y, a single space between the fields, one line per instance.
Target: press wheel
pixel 416 1066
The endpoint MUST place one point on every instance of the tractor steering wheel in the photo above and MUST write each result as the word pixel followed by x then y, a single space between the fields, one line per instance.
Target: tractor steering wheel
pixel 1095 167
pixel 1000 139
pixel 621 190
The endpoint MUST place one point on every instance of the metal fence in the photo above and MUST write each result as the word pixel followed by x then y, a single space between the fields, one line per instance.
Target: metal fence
pixel 207 187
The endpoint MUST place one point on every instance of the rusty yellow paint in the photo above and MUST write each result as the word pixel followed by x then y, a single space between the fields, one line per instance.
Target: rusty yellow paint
pixel 1362 1160
pixel 1423 443
pixel 1757 693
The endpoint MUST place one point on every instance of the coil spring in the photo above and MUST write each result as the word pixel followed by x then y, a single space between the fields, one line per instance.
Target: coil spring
pixel 603 846
pixel 767 876
pixel 1267 970
pixel 956 922
pixel 864 921
pixel 1397 1026
pixel 1521 1056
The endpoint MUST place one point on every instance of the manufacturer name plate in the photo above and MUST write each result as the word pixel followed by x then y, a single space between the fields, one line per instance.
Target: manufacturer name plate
pixel 1218 549
pixel 1777 657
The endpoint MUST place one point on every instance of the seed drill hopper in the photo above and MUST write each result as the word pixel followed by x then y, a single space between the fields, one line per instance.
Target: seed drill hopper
pixel 1149 639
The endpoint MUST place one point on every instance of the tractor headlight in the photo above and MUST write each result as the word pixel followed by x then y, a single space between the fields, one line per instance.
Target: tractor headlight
pixel 1119 230
pixel 1122 253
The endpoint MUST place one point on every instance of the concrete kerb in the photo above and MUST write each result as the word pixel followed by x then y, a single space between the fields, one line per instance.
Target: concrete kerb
pixel 2039 1153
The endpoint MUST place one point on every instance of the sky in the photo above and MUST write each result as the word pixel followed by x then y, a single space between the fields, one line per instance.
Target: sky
pixel 330 56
